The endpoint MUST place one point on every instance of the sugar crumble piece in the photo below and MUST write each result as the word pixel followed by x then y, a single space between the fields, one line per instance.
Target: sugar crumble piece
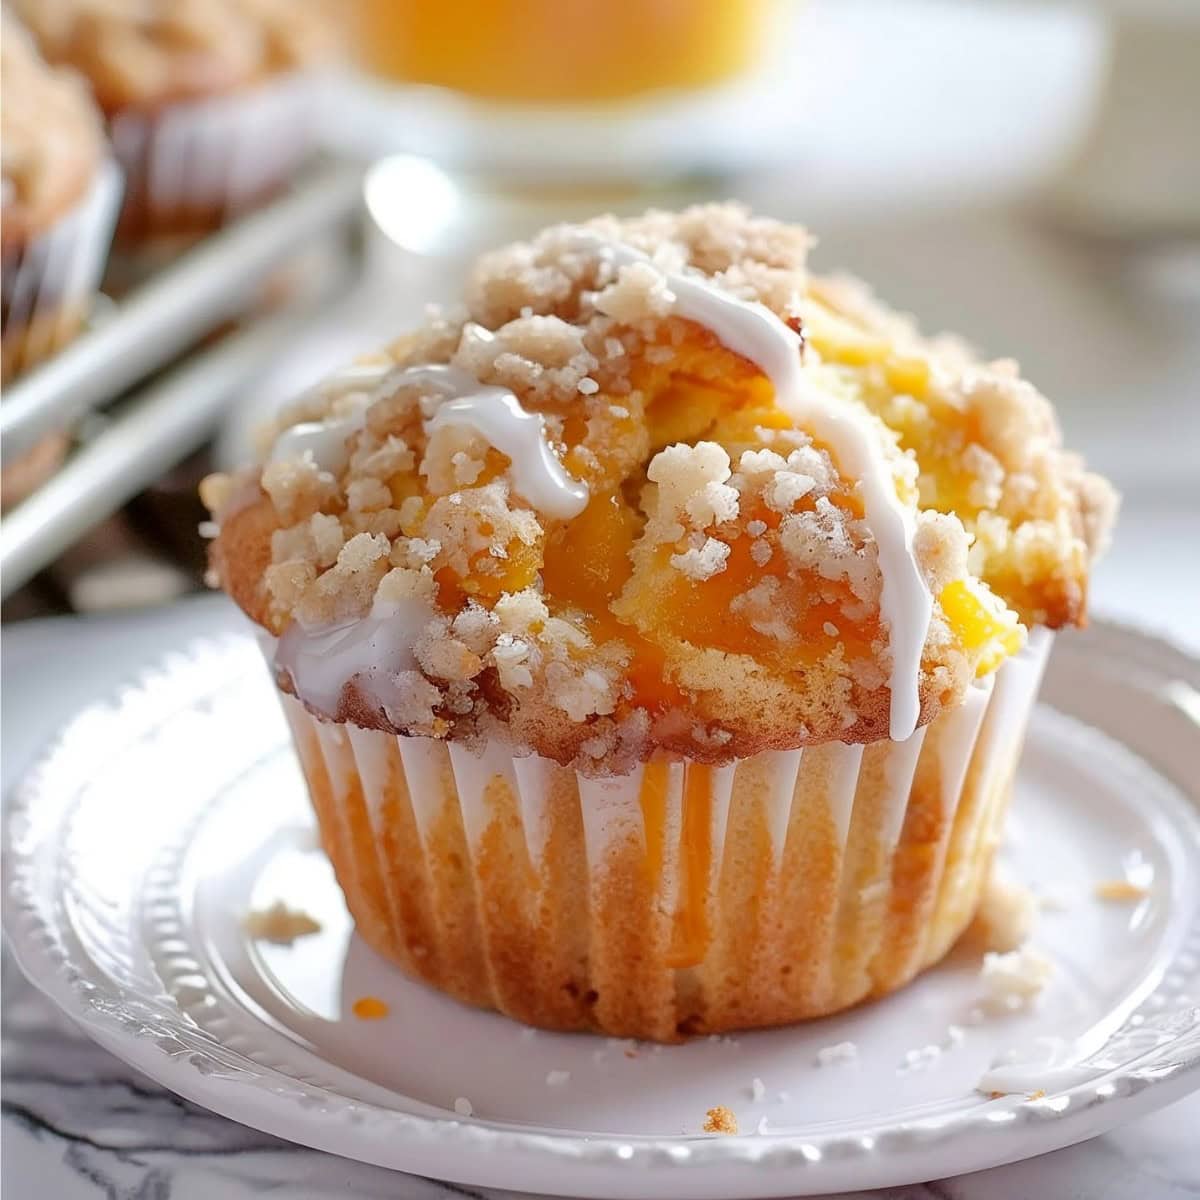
pixel 757 1089
pixel 1005 916
pixel 704 563
pixel 920 1058
pixel 1120 891
pixel 370 1008
pixel 280 924
pixel 761 1128
pixel 839 1052
pixel 463 1107
pixel 1011 981
pixel 720 1120
pixel 557 1078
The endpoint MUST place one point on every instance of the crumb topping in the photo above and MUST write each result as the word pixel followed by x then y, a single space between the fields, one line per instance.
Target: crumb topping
pixel 720 593
pixel 720 1120
pixel 50 137
pixel 280 924
pixel 138 53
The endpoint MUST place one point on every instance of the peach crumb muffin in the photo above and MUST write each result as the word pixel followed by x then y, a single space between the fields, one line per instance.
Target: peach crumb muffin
pixel 208 101
pixel 658 632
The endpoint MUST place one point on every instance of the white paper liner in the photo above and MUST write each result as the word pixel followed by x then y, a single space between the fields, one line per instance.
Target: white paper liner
pixel 49 283
pixel 194 164
pixel 876 859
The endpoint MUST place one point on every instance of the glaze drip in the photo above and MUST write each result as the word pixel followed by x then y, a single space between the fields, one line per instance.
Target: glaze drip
pixel 756 333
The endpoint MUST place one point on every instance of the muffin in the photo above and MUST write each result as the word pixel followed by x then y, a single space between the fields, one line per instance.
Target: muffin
pixel 210 102
pixel 57 208
pixel 658 633
pixel 58 203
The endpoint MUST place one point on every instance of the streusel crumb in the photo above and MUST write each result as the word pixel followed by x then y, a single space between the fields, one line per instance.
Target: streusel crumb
pixel 719 590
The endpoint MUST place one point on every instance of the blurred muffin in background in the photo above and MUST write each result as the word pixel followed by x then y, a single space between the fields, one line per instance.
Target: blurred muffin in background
pixel 209 102
pixel 60 197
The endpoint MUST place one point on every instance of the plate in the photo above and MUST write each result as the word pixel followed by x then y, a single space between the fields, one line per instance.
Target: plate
pixel 157 821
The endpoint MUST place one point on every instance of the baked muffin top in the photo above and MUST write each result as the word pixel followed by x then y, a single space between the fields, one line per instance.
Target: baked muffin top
pixel 139 54
pixel 657 488
pixel 50 138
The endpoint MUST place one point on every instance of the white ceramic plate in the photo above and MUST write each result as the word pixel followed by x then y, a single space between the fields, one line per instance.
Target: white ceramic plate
pixel 135 848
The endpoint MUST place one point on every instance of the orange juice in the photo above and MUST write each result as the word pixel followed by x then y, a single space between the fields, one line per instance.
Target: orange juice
pixel 560 51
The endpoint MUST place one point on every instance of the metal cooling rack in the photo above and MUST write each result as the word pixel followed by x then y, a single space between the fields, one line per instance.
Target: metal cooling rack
pixel 162 324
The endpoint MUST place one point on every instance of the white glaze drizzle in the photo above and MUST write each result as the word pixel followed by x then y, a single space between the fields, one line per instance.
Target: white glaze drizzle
pixel 327 440
pixel 493 412
pixel 371 651
pixel 496 415
pixel 756 333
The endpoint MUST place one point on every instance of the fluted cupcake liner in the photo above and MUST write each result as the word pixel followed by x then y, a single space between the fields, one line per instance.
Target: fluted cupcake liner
pixel 680 898
pixel 48 284
pixel 193 165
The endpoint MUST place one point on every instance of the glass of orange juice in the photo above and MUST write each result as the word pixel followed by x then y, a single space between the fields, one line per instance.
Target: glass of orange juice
pixel 556 52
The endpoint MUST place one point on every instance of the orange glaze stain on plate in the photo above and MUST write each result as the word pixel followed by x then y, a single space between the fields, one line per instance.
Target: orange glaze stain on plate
pixel 370 1008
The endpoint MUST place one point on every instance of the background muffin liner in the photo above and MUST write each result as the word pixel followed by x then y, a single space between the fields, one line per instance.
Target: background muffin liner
pixel 49 283
pixel 193 165
pixel 47 287
pixel 681 898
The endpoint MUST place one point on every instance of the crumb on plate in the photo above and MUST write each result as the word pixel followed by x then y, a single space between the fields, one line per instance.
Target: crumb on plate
pixel 720 1120
pixel 1122 891
pixel 280 924
pixel 1012 980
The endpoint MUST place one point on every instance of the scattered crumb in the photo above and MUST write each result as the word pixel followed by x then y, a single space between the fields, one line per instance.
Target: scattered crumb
pixel 919 1059
pixel 1120 890
pixel 1055 898
pixel 783 1097
pixel 1012 980
pixel 720 1120
pixel 279 924
pixel 762 1125
pixel 955 1036
pixel 629 1053
pixel 1005 915
pixel 976 1016
pixel 996 1095
pixel 840 1052
pixel 370 1008
pixel 463 1106
pixel 757 1089
pixel 528 1033
pixel 1038 1095
pixel 557 1078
